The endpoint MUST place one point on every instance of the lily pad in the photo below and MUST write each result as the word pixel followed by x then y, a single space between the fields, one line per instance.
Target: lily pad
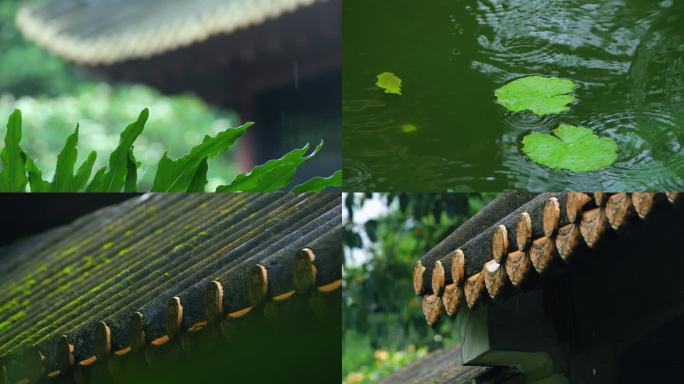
pixel 576 149
pixel 389 82
pixel 541 95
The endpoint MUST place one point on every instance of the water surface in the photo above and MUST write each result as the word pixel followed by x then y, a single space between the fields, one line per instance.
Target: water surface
pixel 627 57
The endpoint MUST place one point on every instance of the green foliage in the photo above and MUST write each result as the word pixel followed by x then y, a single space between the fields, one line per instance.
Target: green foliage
pixel 102 110
pixel 272 175
pixel 318 184
pixel 367 365
pixel 576 149
pixel 112 179
pixel 178 175
pixel 25 68
pixel 199 180
pixel 541 95
pixel 389 82
pixel 187 174
pixel 12 176
pixel 64 180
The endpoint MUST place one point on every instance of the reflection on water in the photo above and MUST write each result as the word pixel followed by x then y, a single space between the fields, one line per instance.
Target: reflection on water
pixel 627 57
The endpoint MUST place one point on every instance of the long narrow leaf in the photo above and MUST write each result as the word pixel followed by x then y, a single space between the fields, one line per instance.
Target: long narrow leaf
pixel 199 181
pixel 113 178
pixel 35 176
pixel 272 175
pixel 13 174
pixel 83 173
pixel 318 184
pixel 177 175
pixel 63 181
pixel 131 184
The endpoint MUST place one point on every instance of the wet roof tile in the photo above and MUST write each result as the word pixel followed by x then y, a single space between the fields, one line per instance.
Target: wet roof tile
pixel 144 271
pixel 521 235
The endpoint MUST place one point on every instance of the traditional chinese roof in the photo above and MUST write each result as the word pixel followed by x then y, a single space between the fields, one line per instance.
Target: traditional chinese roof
pixel 148 272
pixel 520 237
pixel 108 31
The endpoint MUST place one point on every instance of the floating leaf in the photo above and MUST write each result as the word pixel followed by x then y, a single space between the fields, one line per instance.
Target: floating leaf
pixel 389 82
pixel 408 128
pixel 576 149
pixel 13 174
pixel 541 95
pixel 113 178
pixel 177 175
pixel 272 175
pixel 318 184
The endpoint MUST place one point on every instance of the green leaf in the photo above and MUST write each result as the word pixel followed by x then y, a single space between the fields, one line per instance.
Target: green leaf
pixel 83 173
pixel 64 179
pixel 318 184
pixel 272 175
pixel 131 183
pixel 389 82
pixel 35 177
pixel 199 180
pixel 576 149
pixel 177 175
pixel 13 174
pixel 541 95
pixel 113 178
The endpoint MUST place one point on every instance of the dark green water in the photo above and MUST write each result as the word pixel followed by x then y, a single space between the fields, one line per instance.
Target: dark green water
pixel 627 56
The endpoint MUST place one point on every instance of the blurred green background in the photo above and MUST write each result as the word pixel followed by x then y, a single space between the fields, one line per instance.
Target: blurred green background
pixel 54 96
pixel 384 235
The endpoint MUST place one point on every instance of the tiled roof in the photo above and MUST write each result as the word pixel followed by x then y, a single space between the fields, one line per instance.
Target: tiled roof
pixel 525 236
pixel 156 267
pixel 109 31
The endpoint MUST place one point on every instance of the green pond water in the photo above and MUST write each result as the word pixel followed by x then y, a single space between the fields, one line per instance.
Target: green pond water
pixel 626 56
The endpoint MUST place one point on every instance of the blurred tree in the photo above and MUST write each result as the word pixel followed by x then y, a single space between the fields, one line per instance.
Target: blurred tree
pixel 26 69
pixel 382 319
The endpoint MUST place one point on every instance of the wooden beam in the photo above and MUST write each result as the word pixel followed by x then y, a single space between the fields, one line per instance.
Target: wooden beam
pixel 619 209
pixel 518 266
pixel 173 316
pixel 474 289
pixel 213 301
pixel 543 254
pixel 495 278
pixel 594 224
pixel 304 270
pixel 452 298
pixel 568 240
pixel 65 354
pixel 673 197
pixel 103 341
pixel 644 202
pixel 438 278
pixel 490 214
pixel 576 202
pixel 136 332
pixel 432 309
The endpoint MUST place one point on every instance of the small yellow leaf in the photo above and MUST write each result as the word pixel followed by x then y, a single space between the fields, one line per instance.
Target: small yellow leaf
pixel 408 128
pixel 389 82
